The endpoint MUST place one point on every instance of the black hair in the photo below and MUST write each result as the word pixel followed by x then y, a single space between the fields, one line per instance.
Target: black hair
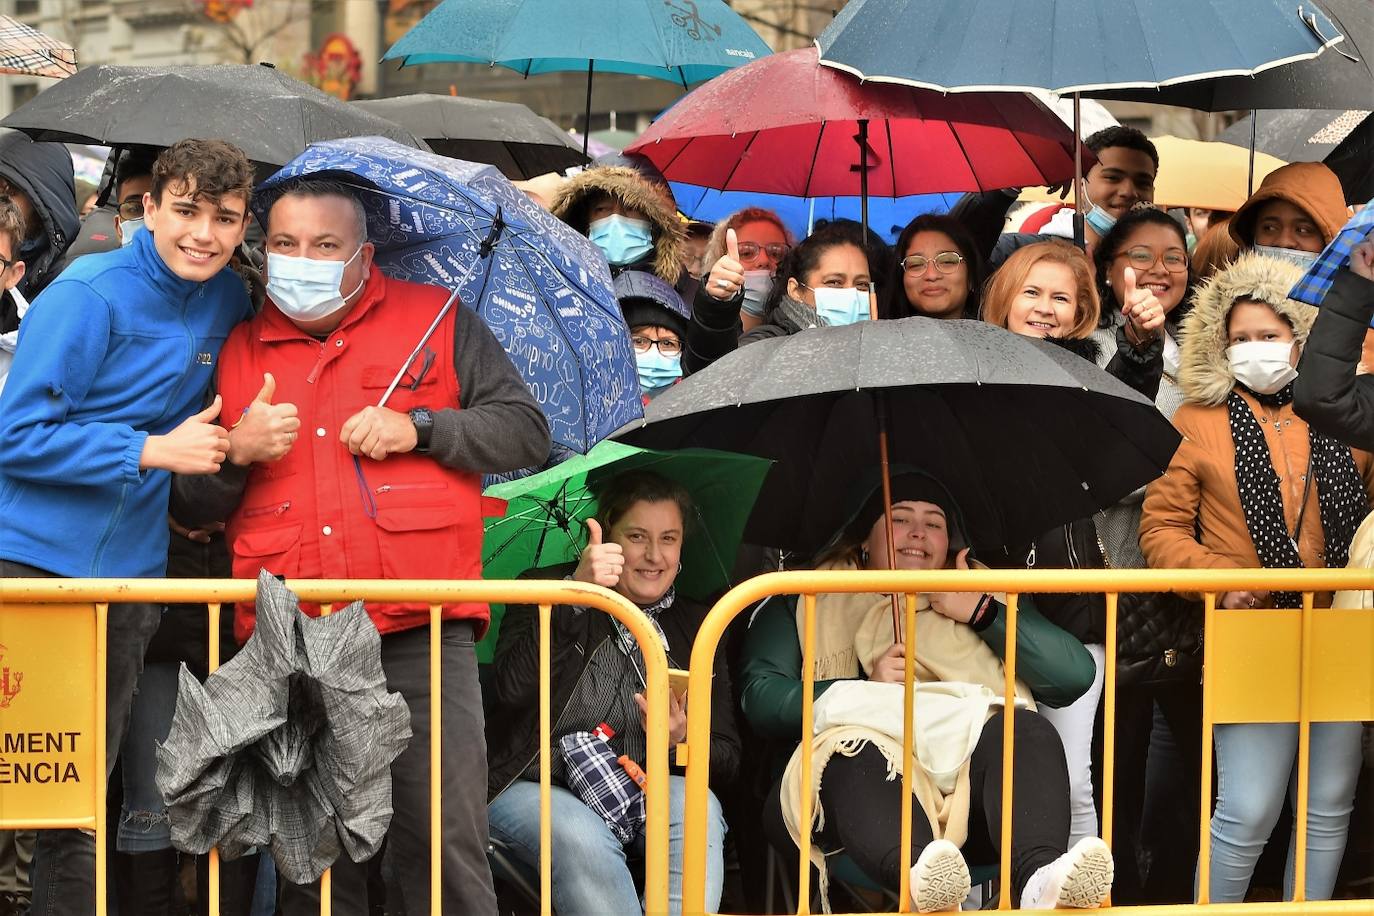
pixel 892 300
pixel 1123 136
pixel 806 256
pixel 1111 246
pixel 136 163
pixel 317 186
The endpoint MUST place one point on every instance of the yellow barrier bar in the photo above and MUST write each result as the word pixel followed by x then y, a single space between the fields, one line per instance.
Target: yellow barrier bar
pixel 1304 752
pixel 908 752
pixel 1109 728
pixel 212 611
pixel 102 659
pixel 1008 753
pixel 436 798
pixel 1204 859
pixel 327 878
pixel 807 745
pixel 545 762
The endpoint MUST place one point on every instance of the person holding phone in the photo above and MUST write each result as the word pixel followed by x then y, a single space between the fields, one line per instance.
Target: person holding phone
pixel 634 546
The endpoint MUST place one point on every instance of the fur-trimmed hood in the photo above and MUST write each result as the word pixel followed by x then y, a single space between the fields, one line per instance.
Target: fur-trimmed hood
pixel 634 191
pixel 1204 371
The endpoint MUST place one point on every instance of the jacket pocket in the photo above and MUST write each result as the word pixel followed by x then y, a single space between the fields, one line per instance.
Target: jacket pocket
pixel 277 550
pixel 418 542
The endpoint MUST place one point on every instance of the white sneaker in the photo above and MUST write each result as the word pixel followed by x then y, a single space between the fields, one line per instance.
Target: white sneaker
pixel 1080 879
pixel 939 879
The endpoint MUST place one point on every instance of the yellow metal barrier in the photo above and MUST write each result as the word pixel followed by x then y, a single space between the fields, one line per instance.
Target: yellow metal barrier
pixel 87 601
pixel 1265 656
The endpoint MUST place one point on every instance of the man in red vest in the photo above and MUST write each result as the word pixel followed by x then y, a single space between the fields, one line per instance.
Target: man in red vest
pixel 319 482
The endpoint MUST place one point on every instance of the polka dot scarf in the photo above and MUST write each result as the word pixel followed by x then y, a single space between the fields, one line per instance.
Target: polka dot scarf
pixel 1340 492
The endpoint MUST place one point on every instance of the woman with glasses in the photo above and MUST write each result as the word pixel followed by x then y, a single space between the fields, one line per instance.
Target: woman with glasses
pixel 657 319
pixel 939 272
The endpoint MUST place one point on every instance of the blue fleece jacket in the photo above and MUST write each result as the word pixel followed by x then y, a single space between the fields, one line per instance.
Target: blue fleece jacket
pixel 116 349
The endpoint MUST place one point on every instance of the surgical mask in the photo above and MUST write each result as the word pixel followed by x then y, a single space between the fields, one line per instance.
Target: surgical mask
pixel 757 285
pixel 1262 365
pixel 1303 259
pixel 837 307
pixel 621 239
pixel 306 289
pixel 1099 220
pixel 128 228
pixel 656 370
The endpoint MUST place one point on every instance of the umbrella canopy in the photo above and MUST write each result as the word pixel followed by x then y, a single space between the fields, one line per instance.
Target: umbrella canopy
pixel 784 125
pixel 1197 173
pixel 1353 162
pixel 887 216
pixel 967 45
pixel 272 117
pixel 546 515
pixel 1337 79
pixel 25 51
pixel 1025 434
pixel 544 290
pixel 507 135
pixel 682 41
pixel 289 744
pixel 1295 135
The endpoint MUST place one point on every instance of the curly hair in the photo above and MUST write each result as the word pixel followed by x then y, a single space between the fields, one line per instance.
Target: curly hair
pixel 715 246
pixel 1011 276
pixel 1121 136
pixel 209 169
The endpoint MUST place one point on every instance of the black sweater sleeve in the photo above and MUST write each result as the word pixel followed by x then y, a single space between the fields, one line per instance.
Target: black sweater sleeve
pixel 1328 393
pixel 1139 367
pixel 713 331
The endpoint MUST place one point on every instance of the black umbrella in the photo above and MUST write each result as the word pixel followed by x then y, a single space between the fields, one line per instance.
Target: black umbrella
pixel 1295 135
pixel 1353 162
pixel 1339 78
pixel 1025 434
pixel 271 116
pixel 507 135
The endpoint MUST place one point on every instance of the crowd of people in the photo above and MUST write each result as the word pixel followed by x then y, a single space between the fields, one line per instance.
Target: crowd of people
pixel 192 404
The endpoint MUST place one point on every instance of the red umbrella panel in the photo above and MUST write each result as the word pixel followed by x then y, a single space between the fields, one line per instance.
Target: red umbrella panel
pixel 786 125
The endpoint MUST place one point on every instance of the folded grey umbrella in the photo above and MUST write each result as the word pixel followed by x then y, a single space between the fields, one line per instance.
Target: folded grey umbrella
pixel 289 745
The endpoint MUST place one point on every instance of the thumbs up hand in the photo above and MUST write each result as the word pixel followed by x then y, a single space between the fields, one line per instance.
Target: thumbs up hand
pixel 1143 311
pixel 726 279
pixel 600 563
pixel 196 446
pixel 956 605
pixel 266 431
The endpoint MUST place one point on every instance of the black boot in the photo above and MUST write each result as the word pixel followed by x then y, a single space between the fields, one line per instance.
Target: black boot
pixel 148 883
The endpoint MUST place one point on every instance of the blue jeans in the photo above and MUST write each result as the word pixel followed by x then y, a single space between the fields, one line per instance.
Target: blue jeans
pixel 1256 770
pixel 143 825
pixel 590 874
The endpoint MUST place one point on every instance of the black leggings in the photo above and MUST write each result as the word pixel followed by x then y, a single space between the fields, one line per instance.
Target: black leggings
pixel 863 813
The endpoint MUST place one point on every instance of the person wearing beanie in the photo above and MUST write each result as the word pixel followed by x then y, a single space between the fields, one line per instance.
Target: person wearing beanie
pixel 1252 486
pixel 657 319
pixel 1297 210
pixel 859 671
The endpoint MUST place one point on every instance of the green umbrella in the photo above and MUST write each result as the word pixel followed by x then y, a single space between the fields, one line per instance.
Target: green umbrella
pixel 545 520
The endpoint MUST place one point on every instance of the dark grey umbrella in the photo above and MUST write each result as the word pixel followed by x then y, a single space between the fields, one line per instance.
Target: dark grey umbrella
pixel 1339 78
pixel 1296 135
pixel 1025 434
pixel 289 744
pixel 507 135
pixel 271 116
pixel 1353 163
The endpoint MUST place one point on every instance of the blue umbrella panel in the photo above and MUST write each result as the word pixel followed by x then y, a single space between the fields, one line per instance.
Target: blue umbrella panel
pixel 544 290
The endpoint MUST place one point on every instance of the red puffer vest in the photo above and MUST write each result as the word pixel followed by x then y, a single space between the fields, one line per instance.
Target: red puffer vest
pixel 316 514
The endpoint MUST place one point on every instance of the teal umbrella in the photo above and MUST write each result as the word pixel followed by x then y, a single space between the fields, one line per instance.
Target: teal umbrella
pixel 545 520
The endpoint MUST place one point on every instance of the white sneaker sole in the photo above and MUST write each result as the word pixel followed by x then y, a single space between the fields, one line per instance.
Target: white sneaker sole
pixel 939 879
pixel 1089 879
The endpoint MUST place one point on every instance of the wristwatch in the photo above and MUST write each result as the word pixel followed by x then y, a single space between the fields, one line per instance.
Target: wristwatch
pixel 424 428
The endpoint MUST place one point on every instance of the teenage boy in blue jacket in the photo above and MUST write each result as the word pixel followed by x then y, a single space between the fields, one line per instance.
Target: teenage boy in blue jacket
pixel 102 405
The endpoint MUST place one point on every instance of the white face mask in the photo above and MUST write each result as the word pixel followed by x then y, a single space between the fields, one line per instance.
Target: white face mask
pixel 757 285
pixel 1303 259
pixel 306 289
pixel 836 307
pixel 1262 366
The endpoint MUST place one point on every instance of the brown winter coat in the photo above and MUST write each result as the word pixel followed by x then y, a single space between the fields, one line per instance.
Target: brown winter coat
pixel 1200 484
pixel 1309 186
pixel 625 184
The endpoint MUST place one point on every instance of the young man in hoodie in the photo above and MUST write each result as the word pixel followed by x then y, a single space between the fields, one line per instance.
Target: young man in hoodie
pixel 1296 211
pixel 38 177
pixel 102 406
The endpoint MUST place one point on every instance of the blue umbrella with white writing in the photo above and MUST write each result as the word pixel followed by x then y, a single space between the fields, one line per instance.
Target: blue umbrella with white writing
pixel 543 289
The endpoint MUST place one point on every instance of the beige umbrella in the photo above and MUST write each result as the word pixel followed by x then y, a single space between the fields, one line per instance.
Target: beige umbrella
pixel 27 51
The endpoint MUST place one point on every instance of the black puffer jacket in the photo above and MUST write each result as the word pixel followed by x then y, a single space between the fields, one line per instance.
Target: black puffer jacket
pixel 513 725
pixel 1071 546
pixel 43 171
pixel 1328 394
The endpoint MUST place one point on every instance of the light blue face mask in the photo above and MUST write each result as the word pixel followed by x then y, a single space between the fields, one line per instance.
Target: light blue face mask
pixel 757 285
pixel 621 239
pixel 1303 259
pixel 656 370
pixel 837 307
pixel 306 289
pixel 1099 220
pixel 128 228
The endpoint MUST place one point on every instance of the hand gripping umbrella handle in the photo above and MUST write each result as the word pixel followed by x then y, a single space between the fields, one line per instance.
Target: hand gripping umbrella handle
pixel 498 225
